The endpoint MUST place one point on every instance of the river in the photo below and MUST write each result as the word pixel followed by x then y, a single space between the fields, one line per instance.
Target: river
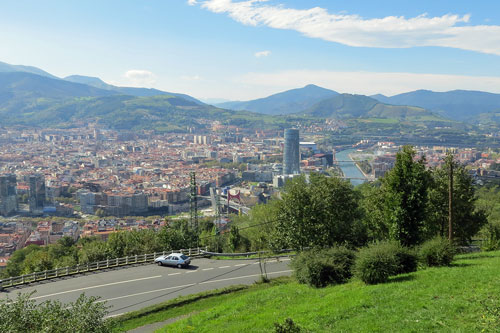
pixel 349 169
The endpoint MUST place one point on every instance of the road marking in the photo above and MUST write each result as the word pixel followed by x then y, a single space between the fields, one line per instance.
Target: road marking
pixel 146 292
pixel 224 266
pixel 240 265
pixel 243 277
pixel 99 286
pixel 255 263
pixel 173 274
pixel 188 285
pixel 207 269
pixel 191 272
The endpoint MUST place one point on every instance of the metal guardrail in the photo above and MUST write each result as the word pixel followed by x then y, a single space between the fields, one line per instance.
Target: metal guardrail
pixel 91 267
pixel 245 254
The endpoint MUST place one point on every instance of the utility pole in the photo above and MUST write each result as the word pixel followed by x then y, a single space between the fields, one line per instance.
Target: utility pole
pixel 194 202
pixel 450 199
pixel 217 208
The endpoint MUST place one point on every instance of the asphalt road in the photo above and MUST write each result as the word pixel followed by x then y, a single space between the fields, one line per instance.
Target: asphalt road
pixel 132 288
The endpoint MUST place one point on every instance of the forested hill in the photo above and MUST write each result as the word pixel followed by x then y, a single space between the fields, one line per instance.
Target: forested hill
pixel 346 106
pixel 34 100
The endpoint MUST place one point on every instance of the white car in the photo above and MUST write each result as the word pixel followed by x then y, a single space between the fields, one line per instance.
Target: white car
pixel 174 259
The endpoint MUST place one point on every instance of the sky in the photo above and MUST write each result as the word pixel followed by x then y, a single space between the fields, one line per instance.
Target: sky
pixel 246 49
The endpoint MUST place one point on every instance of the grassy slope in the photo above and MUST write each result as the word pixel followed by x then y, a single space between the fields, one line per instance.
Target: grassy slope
pixel 462 298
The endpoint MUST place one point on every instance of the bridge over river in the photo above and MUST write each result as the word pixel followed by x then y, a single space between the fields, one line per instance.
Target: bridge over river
pixel 349 168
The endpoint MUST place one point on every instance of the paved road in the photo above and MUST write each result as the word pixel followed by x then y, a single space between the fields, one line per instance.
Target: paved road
pixel 132 288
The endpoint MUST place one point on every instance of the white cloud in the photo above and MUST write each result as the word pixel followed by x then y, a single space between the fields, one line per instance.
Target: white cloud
pixel 140 78
pixel 192 2
pixel 366 83
pixel 353 30
pixel 262 54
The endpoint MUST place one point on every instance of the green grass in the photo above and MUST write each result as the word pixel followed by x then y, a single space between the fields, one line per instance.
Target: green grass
pixel 461 298
pixel 380 120
pixel 185 304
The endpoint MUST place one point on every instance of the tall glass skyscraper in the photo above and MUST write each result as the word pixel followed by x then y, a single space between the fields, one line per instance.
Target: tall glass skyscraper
pixel 291 154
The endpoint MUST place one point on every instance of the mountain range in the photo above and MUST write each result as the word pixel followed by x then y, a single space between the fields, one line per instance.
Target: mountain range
pixel 457 104
pixel 287 102
pixel 31 96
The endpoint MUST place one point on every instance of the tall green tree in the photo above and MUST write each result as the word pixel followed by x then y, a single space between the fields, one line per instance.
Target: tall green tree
pixel 318 213
pixel 467 220
pixel 405 197
pixel 257 228
pixel 372 207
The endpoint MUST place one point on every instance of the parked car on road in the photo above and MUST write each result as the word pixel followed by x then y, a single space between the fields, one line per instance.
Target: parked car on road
pixel 174 259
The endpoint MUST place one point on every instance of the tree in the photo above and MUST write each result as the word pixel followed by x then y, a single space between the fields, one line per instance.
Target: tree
pixel 234 239
pixel 15 265
pixel 466 219
pixel 258 226
pixel 372 207
pixel 93 251
pixel 37 261
pixel 320 213
pixel 405 197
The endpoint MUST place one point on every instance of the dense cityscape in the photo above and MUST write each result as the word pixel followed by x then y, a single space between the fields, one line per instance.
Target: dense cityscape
pixel 96 181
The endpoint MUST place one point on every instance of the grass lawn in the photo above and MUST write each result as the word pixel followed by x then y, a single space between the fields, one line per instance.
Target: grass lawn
pixel 461 298
pixel 380 120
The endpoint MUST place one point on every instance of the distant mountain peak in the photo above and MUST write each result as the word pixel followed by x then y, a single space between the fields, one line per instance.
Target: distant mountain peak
pixel 285 102
pixel 8 68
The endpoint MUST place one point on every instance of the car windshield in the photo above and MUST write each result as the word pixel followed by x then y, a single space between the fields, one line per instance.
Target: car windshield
pixel 184 257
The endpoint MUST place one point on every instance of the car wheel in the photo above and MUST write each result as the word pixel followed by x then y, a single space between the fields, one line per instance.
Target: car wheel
pixel 179 266
pixel 160 263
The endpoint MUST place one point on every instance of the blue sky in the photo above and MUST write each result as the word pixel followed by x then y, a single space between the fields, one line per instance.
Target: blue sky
pixel 237 49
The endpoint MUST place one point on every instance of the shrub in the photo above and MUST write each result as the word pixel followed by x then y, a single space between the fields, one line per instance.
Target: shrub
pixel 491 234
pixel 406 259
pixel 376 262
pixel 24 314
pixel 437 252
pixel 324 267
pixel 289 326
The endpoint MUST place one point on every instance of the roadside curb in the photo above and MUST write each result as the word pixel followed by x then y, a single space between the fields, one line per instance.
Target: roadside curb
pixel 271 257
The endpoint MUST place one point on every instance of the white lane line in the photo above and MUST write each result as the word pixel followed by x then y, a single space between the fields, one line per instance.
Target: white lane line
pixel 244 277
pixel 241 265
pixel 146 292
pixel 278 260
pixel 99 286
pixel 173 274
pixel 255 263
pixel 207 269
pixel 191 272
pixel 224 266
pixel 189 285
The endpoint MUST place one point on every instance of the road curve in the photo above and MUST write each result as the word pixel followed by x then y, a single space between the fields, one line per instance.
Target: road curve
pixel 132 288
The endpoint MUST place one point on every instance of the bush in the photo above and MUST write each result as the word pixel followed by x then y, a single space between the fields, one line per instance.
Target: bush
pixel 324 267
pixel 491 234
pixel 289 326
pixel 437 252
pixel 406 259
pixel 24 314
pixel 376 262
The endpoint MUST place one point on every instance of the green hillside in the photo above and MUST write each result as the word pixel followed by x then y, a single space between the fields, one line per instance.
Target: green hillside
pixel 347 106
pixel 457 104
pixel 460 298
pixel 283 103
pixel 162 113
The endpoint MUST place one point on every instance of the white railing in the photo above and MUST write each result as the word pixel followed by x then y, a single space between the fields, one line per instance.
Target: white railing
pixel 93 266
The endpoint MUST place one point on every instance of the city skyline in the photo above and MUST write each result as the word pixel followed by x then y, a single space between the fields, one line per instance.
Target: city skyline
pixel 242 50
